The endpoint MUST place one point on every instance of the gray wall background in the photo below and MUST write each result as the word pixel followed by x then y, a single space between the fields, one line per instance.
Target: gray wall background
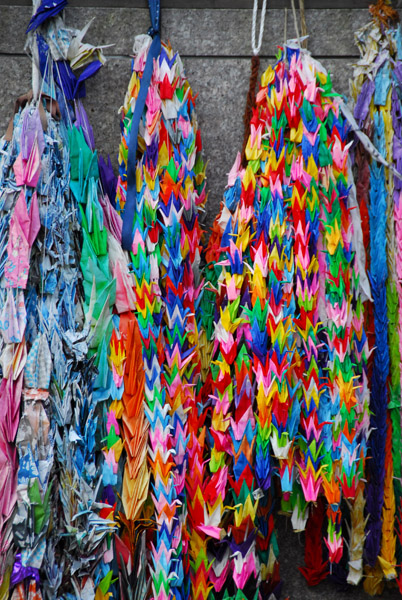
pixel 213 39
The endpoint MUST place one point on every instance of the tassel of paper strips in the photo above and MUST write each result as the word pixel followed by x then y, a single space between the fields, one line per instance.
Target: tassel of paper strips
pixel 232 425
pixel 296 313
pixel 316 568
pixel 57 525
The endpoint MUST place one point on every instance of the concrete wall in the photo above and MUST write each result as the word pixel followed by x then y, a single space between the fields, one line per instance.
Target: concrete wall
pixel 213 39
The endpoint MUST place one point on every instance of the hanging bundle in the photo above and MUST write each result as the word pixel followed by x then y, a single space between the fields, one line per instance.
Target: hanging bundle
pixel 376 84
pixel 244 546
pixel 160 192
pixel 113 412
pixel 288 380
pixel 58 527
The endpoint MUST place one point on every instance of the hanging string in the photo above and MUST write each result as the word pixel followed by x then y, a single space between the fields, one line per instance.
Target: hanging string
pixel 285 28
pixel 153 53
pixel 255 65
pixel 64 96
pixel 35 59
pixel 303 25
pixel 256 49
pixel 295 22
pixel 36 77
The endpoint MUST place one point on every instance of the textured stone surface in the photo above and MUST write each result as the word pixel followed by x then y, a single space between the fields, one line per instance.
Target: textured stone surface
pixel 15 74
pixel 197 32
pixel 216 4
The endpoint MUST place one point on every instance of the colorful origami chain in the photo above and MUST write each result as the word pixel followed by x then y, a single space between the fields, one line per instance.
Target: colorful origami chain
pixel 289 324
pixel 165 256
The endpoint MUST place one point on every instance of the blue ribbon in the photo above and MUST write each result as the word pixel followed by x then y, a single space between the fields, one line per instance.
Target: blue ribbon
pixel 154 51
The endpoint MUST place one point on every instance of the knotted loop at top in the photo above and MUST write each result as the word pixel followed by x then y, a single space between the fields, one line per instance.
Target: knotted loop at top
pixel 155 16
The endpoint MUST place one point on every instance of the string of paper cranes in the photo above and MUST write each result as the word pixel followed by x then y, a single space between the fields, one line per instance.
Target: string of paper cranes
pixel 166 392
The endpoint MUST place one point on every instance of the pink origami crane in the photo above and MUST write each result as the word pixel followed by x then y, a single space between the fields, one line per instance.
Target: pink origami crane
pixel 27 171
pixel 24 228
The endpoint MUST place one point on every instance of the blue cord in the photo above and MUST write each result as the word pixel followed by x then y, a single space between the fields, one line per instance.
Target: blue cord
pixel 154 51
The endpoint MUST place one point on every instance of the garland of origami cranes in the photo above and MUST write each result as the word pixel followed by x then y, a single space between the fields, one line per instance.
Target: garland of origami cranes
pixel 163 395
